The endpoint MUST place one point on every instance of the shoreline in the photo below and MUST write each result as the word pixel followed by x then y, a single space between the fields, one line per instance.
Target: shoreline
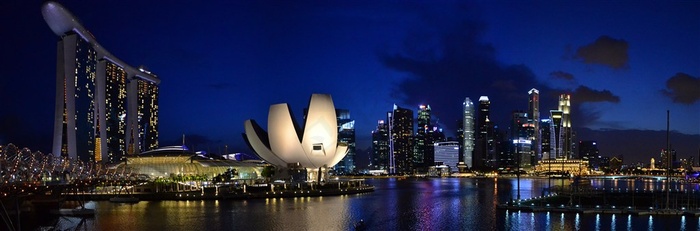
pixel 202 195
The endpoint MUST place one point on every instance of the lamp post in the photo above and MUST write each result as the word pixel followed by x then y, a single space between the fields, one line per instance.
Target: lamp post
pixel 517 173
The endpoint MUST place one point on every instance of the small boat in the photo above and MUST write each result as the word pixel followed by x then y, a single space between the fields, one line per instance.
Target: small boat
pixel 360 225
pixel 124 199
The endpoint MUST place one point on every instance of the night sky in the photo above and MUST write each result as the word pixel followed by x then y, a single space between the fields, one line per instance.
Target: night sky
pixel 624 62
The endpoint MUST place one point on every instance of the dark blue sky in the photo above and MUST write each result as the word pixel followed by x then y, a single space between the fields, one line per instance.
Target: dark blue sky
pixel 624 62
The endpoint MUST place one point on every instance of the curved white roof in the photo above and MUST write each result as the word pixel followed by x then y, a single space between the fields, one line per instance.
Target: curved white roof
pixel 316 146
pixel 61 21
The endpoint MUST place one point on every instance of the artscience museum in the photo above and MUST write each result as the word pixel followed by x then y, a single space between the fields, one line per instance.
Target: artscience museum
pixel 304 153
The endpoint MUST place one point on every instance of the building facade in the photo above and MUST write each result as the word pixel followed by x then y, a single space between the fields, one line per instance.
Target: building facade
pixel 105 108
pixel 484 146
pixel 556 138
pixel 533 117
pixel 401 143
pixel 521 131
pixel 346 135
pixel 567 136
pixel 447 153
pixel 468 132
pixel 422 141
pixel 380 147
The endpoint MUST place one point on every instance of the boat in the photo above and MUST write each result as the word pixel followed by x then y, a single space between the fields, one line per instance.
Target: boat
pixel 129 199
pixel 360 225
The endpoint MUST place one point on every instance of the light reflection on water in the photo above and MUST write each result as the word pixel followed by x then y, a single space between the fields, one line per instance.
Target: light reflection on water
pixel 410 204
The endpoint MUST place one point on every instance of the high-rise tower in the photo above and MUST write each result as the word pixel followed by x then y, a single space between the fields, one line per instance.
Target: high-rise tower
pixel 380 146
pixel 533 116
pixel 565 108
pixel 521 130
pixel 401 134
pixel 422 140
pixel 556 140
pixel 346 135
pixel 468 132
pixel 105 109
pixel 485 154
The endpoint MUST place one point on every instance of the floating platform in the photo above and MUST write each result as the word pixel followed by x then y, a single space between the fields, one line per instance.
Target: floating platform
pixel 82 212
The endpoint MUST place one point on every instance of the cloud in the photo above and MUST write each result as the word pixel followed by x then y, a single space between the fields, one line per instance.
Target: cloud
pixel 584 94
pixel 683 88
pixel 562 75
pixel 605 51
pixel 583 114
pixel 447 60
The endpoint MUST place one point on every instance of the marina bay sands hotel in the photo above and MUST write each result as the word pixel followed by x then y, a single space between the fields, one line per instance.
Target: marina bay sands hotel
pixel 105 108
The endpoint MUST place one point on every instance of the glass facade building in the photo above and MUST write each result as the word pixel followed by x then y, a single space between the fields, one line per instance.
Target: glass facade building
pixel 401 143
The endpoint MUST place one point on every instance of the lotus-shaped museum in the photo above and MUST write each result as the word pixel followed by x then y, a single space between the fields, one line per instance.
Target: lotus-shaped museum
pixel 313 146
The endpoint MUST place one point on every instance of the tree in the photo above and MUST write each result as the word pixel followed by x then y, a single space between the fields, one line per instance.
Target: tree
pixel 268 172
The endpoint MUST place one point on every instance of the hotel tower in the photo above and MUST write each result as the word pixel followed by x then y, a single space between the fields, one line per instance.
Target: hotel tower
pixel 105 108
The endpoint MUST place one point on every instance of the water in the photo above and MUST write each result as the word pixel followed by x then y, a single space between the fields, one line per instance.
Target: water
pixel 410 204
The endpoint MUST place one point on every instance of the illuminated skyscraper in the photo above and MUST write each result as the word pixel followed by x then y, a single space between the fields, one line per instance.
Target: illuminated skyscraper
pixel 484 150
pixel 380 146
pixel 105 109
pixel 346 135
pixel 401 143
pixel 565 108
pixel 533 116
pixel 545 134
pixel 556 140
pixel 422 141
pixel 520 136
pixel 468 132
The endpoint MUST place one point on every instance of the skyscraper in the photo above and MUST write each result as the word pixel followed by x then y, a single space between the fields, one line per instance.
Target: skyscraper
pixel 105 109
pixel 484 155
pixel 533 116
pixel 346 135
pixel 556 140
pixel 565 108
pixel 380 146
pixel 401 143
pixel 521 131
pixel 422 141
pixel 468 132
pixel 588 150
pixel 545 141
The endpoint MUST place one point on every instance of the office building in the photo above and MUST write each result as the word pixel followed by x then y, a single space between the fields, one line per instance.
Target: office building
pixel 533 116
pixel 447 153
pixel 468 132
pixel 105 108
pixel 556 140
pixel 484 146
pixel 520 131
pixel 346 135
pixel 422 140
pixel 380 147
pixel 588 150
pixel 545 134
pixel 401 143
pixel 567 136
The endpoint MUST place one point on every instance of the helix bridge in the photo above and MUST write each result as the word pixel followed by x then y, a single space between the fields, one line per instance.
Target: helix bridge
pixel 24 173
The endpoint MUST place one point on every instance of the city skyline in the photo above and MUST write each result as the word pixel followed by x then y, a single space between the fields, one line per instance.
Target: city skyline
pixel 428 46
